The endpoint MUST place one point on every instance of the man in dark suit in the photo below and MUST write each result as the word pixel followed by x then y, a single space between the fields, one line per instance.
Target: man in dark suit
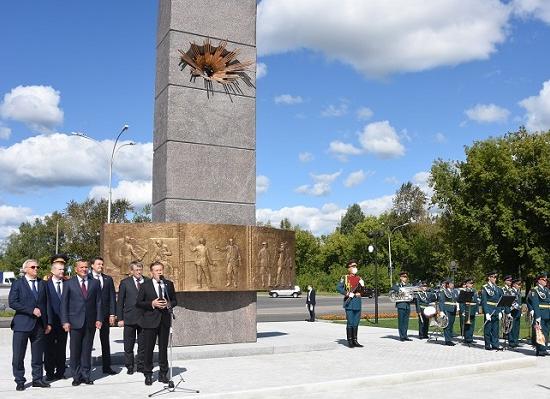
pixel 310 302
pixel 128 316
pixel 81 315
pixel 156 297
pixel 108 306
pixel 56 340
pixel 28 298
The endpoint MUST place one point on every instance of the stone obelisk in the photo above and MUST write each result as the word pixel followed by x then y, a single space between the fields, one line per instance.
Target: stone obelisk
pixel 204 165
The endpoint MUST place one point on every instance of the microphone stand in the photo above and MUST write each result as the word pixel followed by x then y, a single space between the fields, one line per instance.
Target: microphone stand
pixel 171 387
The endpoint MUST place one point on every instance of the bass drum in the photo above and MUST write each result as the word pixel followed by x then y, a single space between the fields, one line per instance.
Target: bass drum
pixel 429 311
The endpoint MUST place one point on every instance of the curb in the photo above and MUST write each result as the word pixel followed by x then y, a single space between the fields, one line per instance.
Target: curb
pixel 378 380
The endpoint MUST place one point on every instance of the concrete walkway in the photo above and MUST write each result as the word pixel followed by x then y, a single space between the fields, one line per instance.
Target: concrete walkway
pixel 307 360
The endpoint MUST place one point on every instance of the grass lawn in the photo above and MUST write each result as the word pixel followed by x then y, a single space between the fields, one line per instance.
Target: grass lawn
pixel 7 313
pixel 413 325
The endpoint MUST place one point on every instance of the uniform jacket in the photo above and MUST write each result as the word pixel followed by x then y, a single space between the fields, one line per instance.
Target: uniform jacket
pixel 472 307
pixel 423 300
pixel 490 295
pixel 22 300
pixel 447 300
pixel 345 285
pixel 401 305
pixel 126 304
pixel 78 310
pixel 152 317
pixel 540 300
pixel 108 296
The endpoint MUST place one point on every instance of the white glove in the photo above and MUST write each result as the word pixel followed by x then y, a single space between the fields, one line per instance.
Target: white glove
pixel 499 315
pixel 351 294
pixel 362 283
pixel 487 316
pixel 538 320
pixel 532 313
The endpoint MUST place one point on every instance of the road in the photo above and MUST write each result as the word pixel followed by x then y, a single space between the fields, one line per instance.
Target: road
pixel 286 309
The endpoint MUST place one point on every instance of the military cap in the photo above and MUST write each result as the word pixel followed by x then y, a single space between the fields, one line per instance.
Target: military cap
pixel 403 273
pixel 541 275
pixel 351 263
pixel 508 277
pixel 491 273
pixel 59 258
pixel 516 280
pixel 468 280
pixel 423 284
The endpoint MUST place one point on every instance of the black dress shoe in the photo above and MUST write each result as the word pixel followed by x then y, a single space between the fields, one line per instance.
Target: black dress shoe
pixel 110 371
pixel 20 387
pixel 148 380
pixel 130 371
pixel 60 377
pixel 40 384
pixel 51 377
pixel 542 353
pixel 163 378
pixel 450 343
pixel 88 382
pixel 76 383
pixel 407 339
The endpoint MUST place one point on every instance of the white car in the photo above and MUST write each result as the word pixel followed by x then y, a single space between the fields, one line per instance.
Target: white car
pixel 293 292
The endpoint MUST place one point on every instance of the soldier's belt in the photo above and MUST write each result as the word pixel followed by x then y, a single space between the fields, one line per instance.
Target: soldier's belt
pixel 544 306
pixel 450 303
pixel 492 303
pixel 471 303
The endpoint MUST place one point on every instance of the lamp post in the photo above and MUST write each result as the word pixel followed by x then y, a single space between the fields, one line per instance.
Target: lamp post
pixel 453 269
pixel 371 250
pixel 390 232
pixel 113 153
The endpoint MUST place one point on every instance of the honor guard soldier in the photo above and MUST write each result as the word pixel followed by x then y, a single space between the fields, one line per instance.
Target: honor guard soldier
pixel 507 290
pixel 424 298
pixel 513 337
pixel 468 312
pixel 531 312
pixel 448 305
pixel 540 300
pixel 403 307
pixel 351 286
pixel 490 295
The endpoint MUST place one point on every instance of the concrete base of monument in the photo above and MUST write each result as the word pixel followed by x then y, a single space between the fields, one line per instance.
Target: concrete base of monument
pixel 206 318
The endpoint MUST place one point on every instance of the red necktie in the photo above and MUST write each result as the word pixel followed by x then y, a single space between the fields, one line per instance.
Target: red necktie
pixel 84 289
pixel 138 284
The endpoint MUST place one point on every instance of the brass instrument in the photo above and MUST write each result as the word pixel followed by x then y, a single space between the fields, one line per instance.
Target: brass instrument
pixel 506 323
pixel 405 294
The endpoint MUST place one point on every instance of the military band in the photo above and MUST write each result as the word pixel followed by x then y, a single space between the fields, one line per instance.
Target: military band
pixel 403 307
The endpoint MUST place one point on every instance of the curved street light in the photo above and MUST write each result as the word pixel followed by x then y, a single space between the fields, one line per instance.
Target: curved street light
pixel 390 232
pixel 113 153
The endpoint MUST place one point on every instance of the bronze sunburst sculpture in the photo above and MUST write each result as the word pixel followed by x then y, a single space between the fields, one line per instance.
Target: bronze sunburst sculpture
pixel 216 64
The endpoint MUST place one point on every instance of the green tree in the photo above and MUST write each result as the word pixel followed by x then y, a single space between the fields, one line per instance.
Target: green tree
pixel 353 216
pixel 285 224
pixel 409 204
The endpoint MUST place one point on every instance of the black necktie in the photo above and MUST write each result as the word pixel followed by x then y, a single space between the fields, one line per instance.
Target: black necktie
pixel 58 289
pixel 34 290
pixel 161 294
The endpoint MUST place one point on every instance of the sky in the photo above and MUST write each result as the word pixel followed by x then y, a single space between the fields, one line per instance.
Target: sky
pixel 354 98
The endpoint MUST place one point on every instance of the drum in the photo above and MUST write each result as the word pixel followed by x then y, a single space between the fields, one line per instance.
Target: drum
pixel 429 311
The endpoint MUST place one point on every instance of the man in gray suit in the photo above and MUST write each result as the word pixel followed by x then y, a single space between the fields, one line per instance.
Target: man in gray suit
pixel 128 316
pixel 81 315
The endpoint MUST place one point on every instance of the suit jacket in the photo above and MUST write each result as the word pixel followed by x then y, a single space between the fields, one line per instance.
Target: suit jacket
pixel 108 296
pixel 21 299
pixel 54 305
pixel 151 318
pixel 310 299
pixel 126 304
pixel 78 310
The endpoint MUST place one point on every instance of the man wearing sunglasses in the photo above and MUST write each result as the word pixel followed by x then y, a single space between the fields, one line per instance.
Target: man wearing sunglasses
pixel 28 298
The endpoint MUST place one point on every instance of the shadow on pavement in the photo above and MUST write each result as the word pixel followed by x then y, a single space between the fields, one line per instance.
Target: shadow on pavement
pixel 268 334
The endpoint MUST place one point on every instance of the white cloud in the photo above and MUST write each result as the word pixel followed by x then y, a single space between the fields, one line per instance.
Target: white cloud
pixel 356 178
pixel 288 99
pixel 36 106
pixel 440 138
pixel 66 160
pixel 380 138
pixel 487 113
pixel 305 157
pixel 377 206
pixel 335 110
pixel 11 217
pixel 381 37
pixel 533 8
pixel 5 132
pixel 138 192
pixel 538 109
pixel 391 180
pixel 343 150
pixel 261 70
pixel 421 179
pixel 364 113
pixel 321 185
pixel 262 184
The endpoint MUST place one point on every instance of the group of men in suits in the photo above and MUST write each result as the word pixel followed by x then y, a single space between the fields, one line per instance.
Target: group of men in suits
pixel 46 312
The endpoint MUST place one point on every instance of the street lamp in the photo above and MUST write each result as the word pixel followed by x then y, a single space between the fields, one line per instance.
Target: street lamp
pixel 390 232
pixel 113 153
pixel 371 250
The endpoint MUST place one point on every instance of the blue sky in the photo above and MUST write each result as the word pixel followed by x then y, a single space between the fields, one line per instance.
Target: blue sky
pixel 356 98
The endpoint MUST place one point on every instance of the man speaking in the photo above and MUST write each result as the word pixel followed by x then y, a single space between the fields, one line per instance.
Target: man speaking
pixel 156 297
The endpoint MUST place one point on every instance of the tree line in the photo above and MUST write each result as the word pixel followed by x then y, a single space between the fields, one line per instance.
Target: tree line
pixel 489 211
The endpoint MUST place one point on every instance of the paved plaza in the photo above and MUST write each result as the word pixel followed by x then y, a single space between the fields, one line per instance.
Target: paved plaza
pixel 311 360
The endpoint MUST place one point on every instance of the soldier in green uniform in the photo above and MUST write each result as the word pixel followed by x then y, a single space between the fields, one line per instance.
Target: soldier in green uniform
pixel 351 286
pixel 423 299
pixel 513 338
pixel 449 306
pixel 507 310
pixel 540 300
pixel 468 312
pixel 403 307
pixel 490 295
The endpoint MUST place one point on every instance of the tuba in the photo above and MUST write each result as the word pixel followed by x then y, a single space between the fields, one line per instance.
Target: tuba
pixel 405 294
pixel 506 323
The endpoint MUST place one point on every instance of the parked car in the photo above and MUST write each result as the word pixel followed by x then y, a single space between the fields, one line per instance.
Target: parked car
pixel 368 293
pixel 293 292
pixel 7 278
